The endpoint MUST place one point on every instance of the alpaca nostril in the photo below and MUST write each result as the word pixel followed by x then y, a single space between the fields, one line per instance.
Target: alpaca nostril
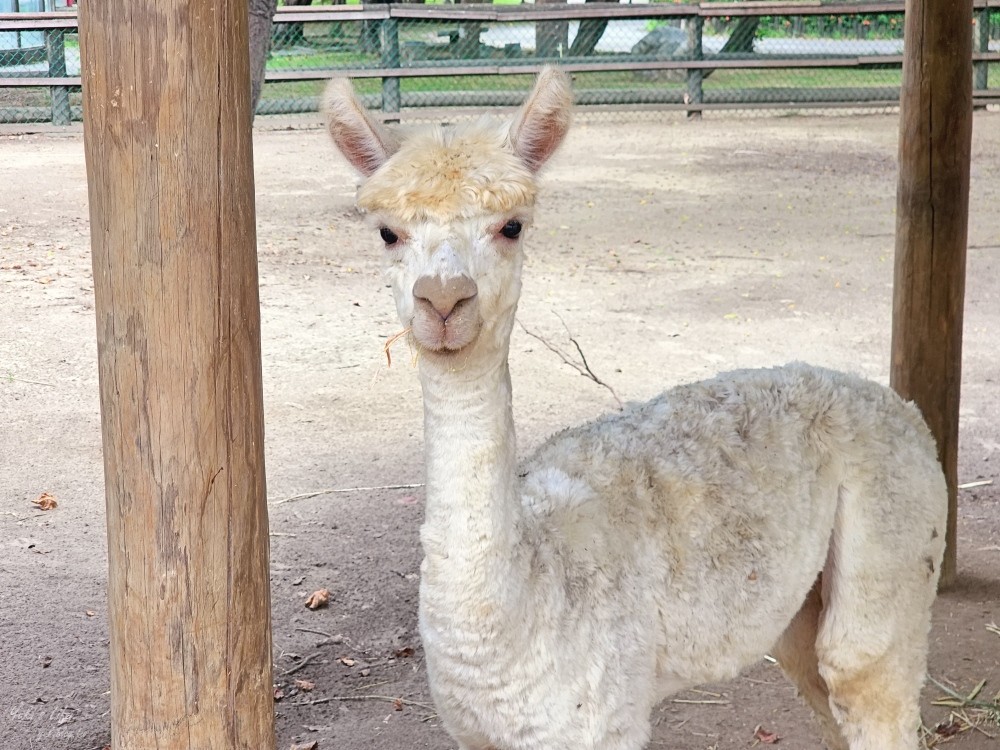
pixel 444 294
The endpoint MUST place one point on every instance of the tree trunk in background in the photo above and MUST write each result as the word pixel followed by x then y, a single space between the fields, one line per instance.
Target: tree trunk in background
pixel 740 41
pixel 261 21
pixel 551 37
pixel 588 35
pixel 294 33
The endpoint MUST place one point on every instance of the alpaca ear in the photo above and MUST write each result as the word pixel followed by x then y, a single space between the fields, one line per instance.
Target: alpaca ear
pixel 540 126
pixel 364 142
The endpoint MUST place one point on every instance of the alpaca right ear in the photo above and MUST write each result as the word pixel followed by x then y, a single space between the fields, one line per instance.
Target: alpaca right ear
pixel 542 123
pixel 364 142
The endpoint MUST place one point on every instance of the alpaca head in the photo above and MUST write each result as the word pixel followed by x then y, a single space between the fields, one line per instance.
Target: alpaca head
pixel 449 206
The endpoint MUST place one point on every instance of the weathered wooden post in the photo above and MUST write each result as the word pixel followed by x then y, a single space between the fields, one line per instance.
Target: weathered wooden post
pixel 389 40
pixel 932 218
pixel 169 163
pixel 55 52
pixel 695 76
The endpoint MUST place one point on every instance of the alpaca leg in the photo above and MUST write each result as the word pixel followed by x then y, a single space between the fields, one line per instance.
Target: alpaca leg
pixel 877 703
pixel 872 647
pixel 796 654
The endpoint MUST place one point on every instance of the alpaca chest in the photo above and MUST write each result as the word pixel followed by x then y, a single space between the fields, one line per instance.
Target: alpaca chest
pixel 529 682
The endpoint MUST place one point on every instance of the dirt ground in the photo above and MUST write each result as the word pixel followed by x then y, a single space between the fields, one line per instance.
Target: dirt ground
pixel 671 250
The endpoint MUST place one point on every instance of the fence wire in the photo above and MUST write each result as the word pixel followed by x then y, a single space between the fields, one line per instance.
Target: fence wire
pixel 409 58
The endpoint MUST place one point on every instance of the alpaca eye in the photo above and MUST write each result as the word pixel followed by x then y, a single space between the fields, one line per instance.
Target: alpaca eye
pixel 388 236
pixel 511 229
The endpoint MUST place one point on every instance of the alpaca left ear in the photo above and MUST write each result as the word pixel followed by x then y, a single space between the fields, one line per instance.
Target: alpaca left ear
pixel 364 142
pixel 541 125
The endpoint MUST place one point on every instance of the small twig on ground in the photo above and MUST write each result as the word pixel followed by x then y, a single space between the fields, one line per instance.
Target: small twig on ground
pixel 977 483
pixel 342 490
pixel 957 700
pixel 992 627
pixel 300 665
pixel 315 632
pixel 739 257
pixel 389 698
pixel 706 702
pixel 583 369
pixel 32 382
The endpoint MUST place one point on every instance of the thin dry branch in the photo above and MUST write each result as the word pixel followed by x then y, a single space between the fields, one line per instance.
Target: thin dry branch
pixel 300 665
pixel 977 483
pixel 583 369
pixel 392 340
pixel 389 698
pixel 343 490
pixel 965 701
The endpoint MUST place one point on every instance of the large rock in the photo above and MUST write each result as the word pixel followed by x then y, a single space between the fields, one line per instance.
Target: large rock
pixel 663 43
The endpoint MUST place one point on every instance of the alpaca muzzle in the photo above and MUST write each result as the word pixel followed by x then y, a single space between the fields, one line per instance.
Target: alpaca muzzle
pixel 445 312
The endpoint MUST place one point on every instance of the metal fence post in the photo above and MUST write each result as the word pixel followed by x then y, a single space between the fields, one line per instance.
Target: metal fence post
pixel 389 38
pixel 983 45
pixel 695 95
pixel 55 51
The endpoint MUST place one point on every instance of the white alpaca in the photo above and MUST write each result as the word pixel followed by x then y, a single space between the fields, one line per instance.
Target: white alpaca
pixel 795 511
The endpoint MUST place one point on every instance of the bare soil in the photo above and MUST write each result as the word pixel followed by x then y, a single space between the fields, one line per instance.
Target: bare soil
pixel 671 250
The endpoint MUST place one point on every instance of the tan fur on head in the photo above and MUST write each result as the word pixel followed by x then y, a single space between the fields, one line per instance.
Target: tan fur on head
pixel 446 174
pixel 443 175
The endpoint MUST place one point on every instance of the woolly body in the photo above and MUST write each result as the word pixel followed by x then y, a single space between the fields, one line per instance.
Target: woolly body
pixel 795 510
pixel 672 545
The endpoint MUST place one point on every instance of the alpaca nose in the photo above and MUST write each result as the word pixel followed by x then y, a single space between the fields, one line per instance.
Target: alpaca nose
pixel 444 294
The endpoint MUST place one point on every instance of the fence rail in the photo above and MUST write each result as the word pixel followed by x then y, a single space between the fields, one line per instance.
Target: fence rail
pixel 408 56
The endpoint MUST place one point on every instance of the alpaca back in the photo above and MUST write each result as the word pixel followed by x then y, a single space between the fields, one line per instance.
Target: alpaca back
pixel 715 503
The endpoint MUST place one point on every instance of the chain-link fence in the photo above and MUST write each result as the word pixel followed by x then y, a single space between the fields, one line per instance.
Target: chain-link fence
pixel 407 58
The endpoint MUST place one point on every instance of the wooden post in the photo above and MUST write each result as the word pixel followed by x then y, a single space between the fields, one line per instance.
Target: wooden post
pixel 983 45
pixel 55 52
pixel 169 164
pixel 695 76
pixel 389 39
pixel 932 217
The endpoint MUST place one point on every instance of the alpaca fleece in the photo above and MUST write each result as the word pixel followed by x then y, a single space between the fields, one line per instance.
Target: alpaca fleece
pixel 794 511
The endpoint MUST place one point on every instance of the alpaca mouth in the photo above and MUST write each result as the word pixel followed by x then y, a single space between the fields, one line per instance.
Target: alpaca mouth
pixel 445 338
pixel 447 334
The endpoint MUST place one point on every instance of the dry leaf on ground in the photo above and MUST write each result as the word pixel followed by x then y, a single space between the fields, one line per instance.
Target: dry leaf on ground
pixel 314 745
pixel 305 685
pixel 765 737
pixel 45 501
pixel 948 729
pixel 318 599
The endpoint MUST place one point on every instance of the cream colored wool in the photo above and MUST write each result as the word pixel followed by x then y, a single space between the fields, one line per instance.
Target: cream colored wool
pixel 794 511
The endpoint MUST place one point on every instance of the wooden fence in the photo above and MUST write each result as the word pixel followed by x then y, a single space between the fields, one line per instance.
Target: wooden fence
pixel 694 66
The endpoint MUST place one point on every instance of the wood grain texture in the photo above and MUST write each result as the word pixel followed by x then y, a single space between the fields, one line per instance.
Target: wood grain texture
pixel 169 163
pixel 932 217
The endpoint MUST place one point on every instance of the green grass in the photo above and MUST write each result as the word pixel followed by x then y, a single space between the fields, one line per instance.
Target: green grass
pixel 720 80
pixel 802 78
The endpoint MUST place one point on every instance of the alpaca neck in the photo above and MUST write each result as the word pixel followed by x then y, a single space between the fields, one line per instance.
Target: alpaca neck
pixel 470 532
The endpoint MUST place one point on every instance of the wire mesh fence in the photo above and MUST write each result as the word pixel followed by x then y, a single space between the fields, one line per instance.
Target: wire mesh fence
pixel 408 58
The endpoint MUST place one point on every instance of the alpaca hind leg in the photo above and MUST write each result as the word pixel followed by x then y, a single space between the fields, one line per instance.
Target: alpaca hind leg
pixel 872 643
pixel 877 704
pixel 796 654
